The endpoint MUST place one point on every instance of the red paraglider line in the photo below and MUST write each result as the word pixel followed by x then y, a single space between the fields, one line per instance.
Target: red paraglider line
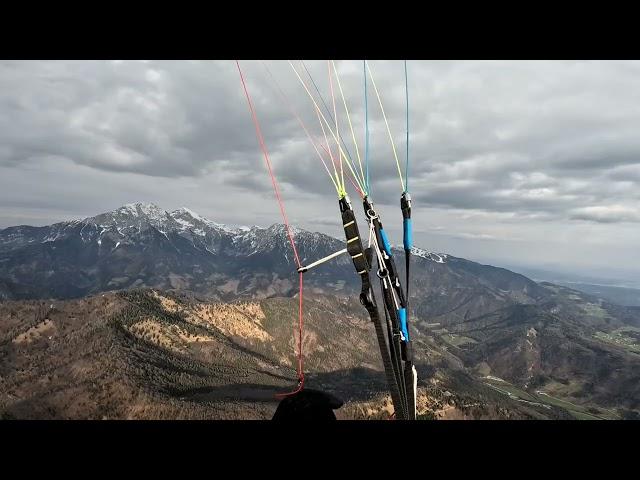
pixel 300 368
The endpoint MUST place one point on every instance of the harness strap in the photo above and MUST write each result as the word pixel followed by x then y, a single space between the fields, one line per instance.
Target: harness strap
pixel 395 351
pixel 361 259
pixel 395 303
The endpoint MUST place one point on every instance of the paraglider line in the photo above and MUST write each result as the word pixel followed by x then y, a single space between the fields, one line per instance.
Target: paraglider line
pixel 300 369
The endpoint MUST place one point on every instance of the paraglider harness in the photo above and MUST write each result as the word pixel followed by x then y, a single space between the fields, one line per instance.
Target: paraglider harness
pixel 393 336
pixel 395 347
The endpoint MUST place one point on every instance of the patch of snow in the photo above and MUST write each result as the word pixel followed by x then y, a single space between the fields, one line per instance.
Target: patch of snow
pixel 198 218
pixel 192 214
pixel 434 257
pixel 183 222
pixel 137 210
pixel 129 208
pixel 51 238
pixel 81 230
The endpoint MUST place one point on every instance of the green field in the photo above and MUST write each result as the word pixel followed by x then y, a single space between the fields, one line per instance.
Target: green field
pixel 543 398
pixel 621 338
pixel 509 389
pixel 595 310
pixel 457 340
pixel 577 411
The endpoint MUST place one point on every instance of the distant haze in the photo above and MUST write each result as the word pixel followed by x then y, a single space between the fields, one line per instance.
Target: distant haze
pixel 519 163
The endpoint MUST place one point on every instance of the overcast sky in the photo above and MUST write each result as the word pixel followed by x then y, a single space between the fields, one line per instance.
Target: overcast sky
pixel 532 163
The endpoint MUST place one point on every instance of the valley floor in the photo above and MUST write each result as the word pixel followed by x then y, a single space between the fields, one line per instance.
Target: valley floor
pixel 146 354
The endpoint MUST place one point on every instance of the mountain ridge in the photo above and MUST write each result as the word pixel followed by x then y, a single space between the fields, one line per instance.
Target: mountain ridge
pixel 194 248
pixel 530 341
pixel 157 217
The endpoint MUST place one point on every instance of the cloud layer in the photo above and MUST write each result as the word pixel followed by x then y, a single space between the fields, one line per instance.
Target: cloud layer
pixel 533 160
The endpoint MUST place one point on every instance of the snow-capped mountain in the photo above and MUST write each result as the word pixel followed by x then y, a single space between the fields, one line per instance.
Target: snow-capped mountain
pixel 126 224
pixel 142 245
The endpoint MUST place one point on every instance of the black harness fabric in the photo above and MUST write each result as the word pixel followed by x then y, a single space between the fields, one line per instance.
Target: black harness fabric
pixel 367 298
pixel 399 351
pixel 390 348
pixel 308 405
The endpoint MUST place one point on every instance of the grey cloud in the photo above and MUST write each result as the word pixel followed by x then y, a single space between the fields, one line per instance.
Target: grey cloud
pixel 611 214
pixel 503 145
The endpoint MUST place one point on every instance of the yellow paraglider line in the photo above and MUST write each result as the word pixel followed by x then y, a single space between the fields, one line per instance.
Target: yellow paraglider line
pixel 286 101
pixel 387 124
pixel 344 101
pixel 343 155
pixel 335 115
pixel 326 141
